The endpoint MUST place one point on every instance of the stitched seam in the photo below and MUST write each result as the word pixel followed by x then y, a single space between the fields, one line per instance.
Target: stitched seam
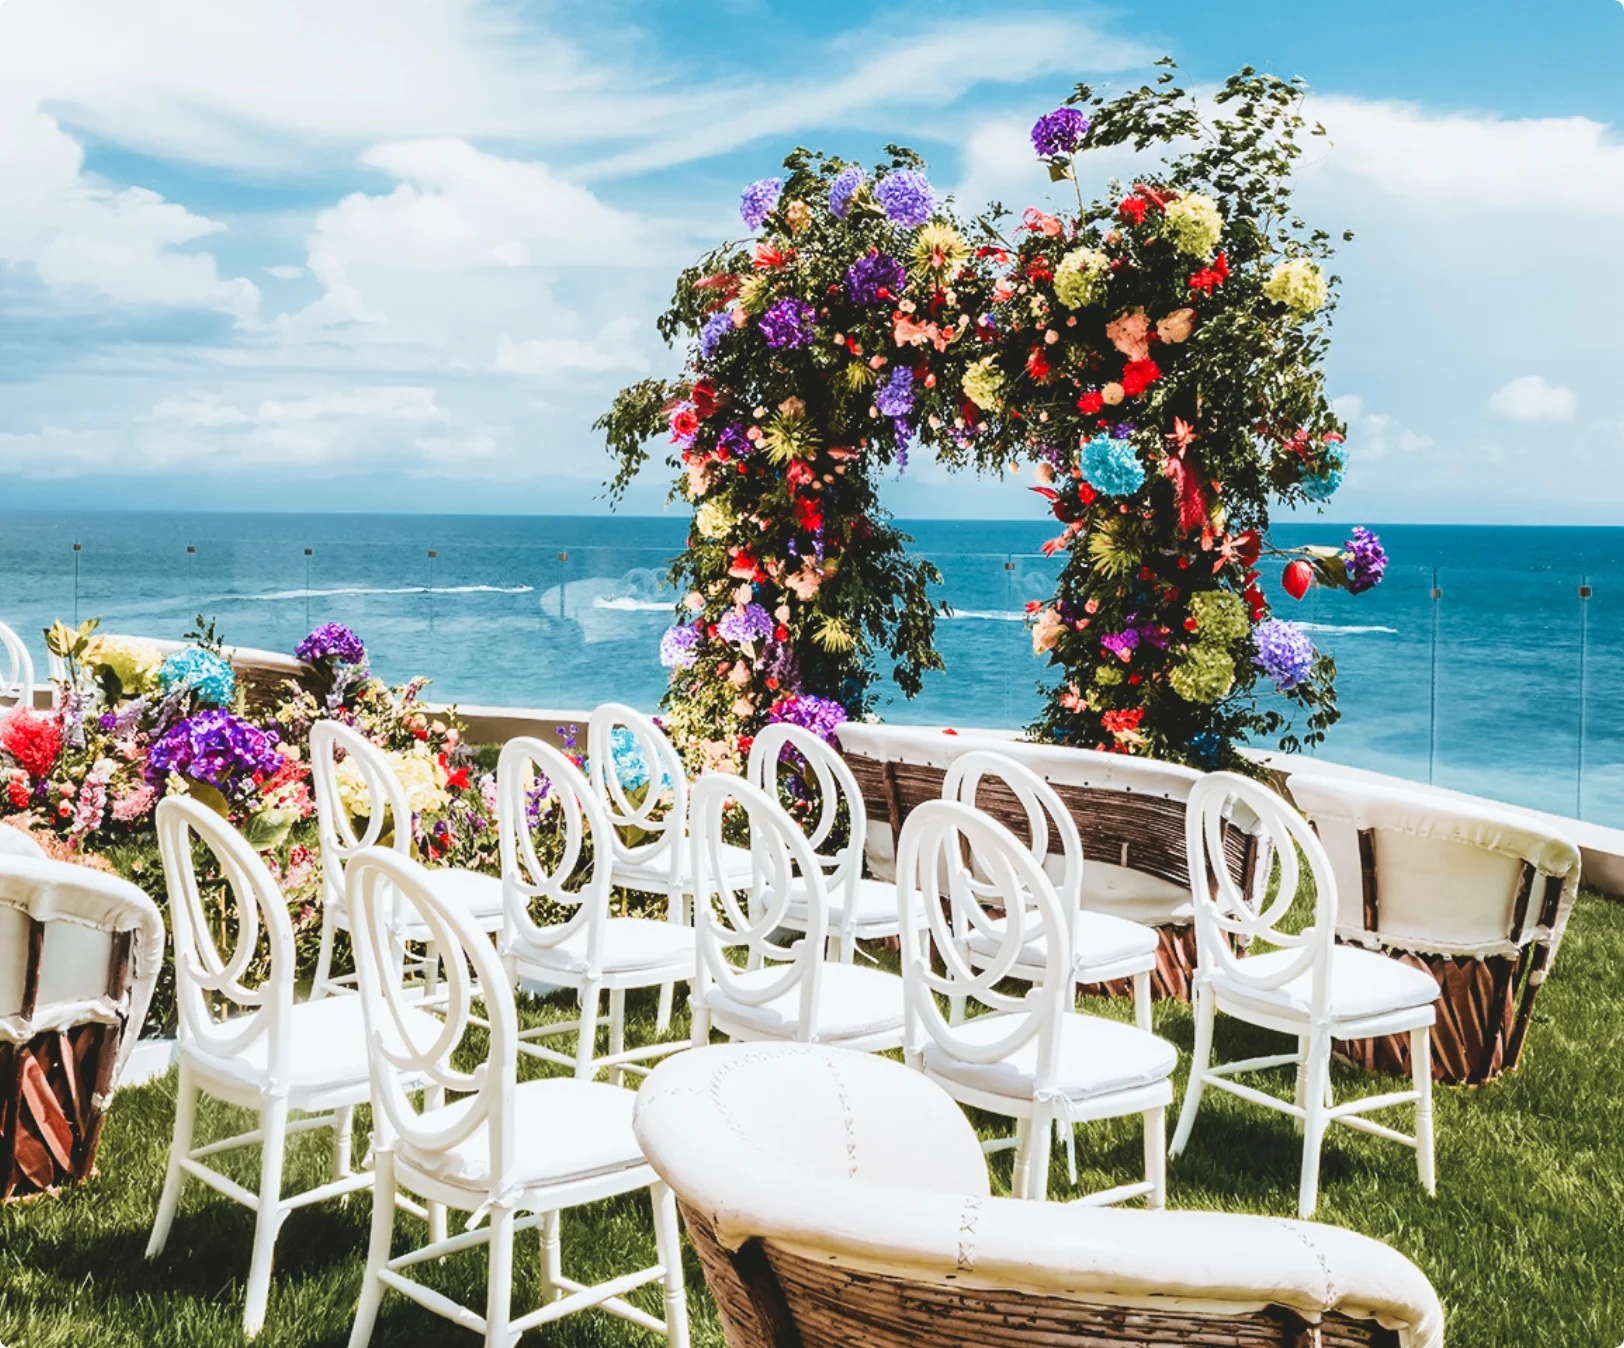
pixel 969 1219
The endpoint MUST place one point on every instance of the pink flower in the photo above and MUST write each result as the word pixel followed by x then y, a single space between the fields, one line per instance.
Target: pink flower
pixel 1130 334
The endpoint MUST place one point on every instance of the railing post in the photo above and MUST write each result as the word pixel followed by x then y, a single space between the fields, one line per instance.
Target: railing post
pixel 432 555
pixel 309 552
pixel 1584 655
pixel 76 582
pixel 1432 693
pixel 563 580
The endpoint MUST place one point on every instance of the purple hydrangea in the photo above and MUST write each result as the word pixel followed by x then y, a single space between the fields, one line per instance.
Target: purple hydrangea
pixel 895 397
pixel 788 323
pixel 1365 560
pixel 679 647
pixel 841 191
pixel 906 197
pixel 873 273
pixel 222 750
pixel 756 202
pixel 750 623
pixel 332 641
pixel 1121 644
pixel 1284 653
pixel 1059 132
pixel 733 442
pixel 821 715
pixel 717 326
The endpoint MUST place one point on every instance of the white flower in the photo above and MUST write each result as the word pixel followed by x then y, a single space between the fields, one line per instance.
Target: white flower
pixel 1298 284
pixel 1194 225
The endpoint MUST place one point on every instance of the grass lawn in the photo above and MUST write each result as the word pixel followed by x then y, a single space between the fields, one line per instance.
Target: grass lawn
pixel 1524 1241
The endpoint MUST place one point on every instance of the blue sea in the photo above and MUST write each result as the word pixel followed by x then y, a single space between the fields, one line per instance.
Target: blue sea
pixel 1507 684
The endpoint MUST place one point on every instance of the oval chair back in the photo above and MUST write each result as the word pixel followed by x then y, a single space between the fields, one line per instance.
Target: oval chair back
pixel 401 1051
pixel 962 862
pixel 1228 917
pixel 783 866
pixel 205 972
pixel 17 683
pixel 664 833
pixel 789 751
pixel 372 783
pixel 528 772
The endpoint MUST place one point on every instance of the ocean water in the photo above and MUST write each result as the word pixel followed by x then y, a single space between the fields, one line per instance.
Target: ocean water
pixel 1508 684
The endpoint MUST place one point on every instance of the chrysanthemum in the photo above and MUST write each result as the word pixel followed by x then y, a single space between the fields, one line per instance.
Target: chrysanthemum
pixel 939 250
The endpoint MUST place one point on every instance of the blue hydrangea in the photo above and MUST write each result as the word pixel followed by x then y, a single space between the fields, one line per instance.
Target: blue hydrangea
pixel 207 675
pixel 843 189
pixel 756 202
pixel 1112 467
pixel 717 326
pixel 895 397
pixel 1208 748
pixel 906 197
pixel 1317 488
pixel 630 766
pixel 1284 653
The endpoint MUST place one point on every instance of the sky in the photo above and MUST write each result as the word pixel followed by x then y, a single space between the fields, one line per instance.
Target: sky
pixel 398 254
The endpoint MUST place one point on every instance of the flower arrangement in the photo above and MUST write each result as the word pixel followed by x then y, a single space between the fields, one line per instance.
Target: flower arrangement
pixel 820 350
pixel 1161 359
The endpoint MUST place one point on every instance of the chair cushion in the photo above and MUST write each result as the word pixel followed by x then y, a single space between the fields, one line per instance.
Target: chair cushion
pixel 1097 1057
pixel 473 891
pixel 629 944
pixel 1102 940
pixel 565 1130
pixel 876 904
pixel 853 1001
pixel 1363 983
pixel 328 1052
pixel 1134 894
pixel 653 877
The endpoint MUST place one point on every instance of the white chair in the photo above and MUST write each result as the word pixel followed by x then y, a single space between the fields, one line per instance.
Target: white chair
pixel 17 685
pixel 1104 947
pixel 837 1198
pixel 589 950
pixel 1308 986
pixel 650 818
pixel 787 991
pixel 15 843
pixel 1031 1058
pixel 860 909
pixel 504 1147
pixel 268 1054
pixel 387 813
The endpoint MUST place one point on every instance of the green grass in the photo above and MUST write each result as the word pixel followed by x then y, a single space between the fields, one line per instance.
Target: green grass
pixel 1524 1241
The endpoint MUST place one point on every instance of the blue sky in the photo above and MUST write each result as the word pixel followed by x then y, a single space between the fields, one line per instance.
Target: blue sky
pixel 397 254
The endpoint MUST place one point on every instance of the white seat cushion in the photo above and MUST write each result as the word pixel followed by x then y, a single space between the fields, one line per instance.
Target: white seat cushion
pixel 853 1001
pixel 876 904
pixel 565 1130
pixel 1097 1057
pixel 1134 894
pixel 328 1053
pixel 629 944
pixel 1102 940
pixel 654 877
pixel 1363 983
pixel 472 891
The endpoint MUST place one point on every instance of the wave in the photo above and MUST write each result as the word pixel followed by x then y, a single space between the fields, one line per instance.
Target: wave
pixel 990 615
pixel 1336 627
pixel 273 595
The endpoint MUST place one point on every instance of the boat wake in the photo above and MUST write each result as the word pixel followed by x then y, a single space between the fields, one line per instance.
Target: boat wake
pixel 989 615
pixel 622 603
pixel 1335 627
pixel 275 595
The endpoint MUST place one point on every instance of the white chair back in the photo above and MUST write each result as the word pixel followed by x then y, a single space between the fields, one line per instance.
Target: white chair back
pixel 783 866
pixel 17 680
pixel 1229 918
pixel 206 974
pixel 332 742
pixel 662 824
pixel 527 768
pixel 401 1052
pixel 1049 823
pixel 980 863
pixel 781 751
pixel 15 843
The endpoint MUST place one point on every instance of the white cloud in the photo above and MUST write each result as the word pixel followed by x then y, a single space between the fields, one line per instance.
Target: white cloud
pixel 614 348
pixel 1531 398
pixel 285 272
pixel 1375 435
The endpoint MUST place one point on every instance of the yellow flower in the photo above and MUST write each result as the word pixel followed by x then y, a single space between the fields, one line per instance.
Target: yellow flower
pixel 418 774
pixel 1297 284
pixel 939 250
pixel 712 520
pixel 983 384
pixel 134 662
pixel 1194 225
pixel 1081 278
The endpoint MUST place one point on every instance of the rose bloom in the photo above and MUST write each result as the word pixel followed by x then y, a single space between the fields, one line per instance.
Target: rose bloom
pixel 1046 631
pixel 1177 326
pixel 684 422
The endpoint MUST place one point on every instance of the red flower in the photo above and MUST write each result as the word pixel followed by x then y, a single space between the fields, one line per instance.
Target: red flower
pixel 1133 208
pixel 1037 364
pixel 1122 722
pixel 799 474
pixel 1090 403
pixel 17 791
pixel 1138 375
pixel 32 739
pixel 808 514
pixel 704 399
pixel 684 423
pixel 768 256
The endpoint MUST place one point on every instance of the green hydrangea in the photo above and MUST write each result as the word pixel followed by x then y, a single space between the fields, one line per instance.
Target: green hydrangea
pixel 983 384
pixel 713 519
pixel 1220 617
pixel 1205 675
pixel 1082 277
pixel 1108 676
pixel 1194 225
pixel 1298 284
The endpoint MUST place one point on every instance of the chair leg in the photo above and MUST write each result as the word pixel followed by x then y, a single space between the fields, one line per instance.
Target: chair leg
pixel 955 1009
pixel 1156 1156
pixel 674 912
pixel 586 1038
pixel 699 1034
pixel 383 1231
pixel 1039 1142
pixel 434 1098
pixel 617 1032
pixel 273 1122
pixel 1206 1012
pixel 431 969
pixel 181 1144
pixel 552 1263
pixel 1319 1074
pixel 1299 1095
pixel 324 957
pixel 343 1135
pixel 499 1287
pixel 668 1246
pixel 1023 1149
pixel 1141 1001
pixel 1421 1074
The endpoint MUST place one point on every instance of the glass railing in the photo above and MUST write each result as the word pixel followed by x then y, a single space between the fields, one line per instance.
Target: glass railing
pixel 1498 680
